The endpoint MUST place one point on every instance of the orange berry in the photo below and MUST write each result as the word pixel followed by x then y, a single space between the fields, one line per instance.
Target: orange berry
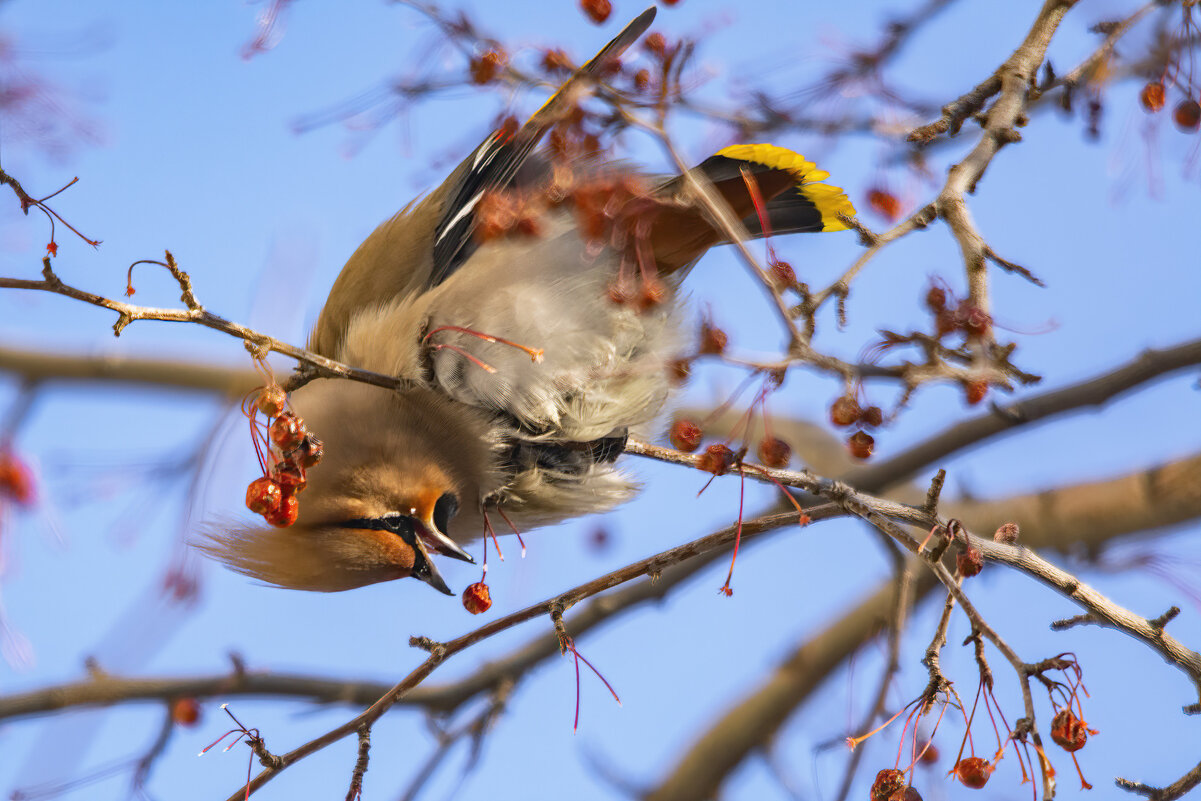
pixel 486 66
pixel 272 400
pixel 1152 97
pixel 556 61
pixel 287 431
pixel 16 479
pixel 973 771
pixel 1068 731
pixel 976 391
pixel 656 43
pixel 476 598
pixel 717 459
pixel 686 436
pixel 263 496
pixel 286 514
pixel 872 416
pixel 782 275
pixel 642 80
pixel 884 203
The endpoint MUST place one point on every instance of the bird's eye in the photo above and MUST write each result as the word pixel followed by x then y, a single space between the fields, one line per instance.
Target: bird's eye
pixel 446 508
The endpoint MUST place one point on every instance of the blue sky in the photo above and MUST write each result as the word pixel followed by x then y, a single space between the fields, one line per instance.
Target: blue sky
pixel 195 151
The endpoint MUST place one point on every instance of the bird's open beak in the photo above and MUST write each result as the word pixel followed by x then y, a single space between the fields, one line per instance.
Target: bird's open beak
pixel 425 569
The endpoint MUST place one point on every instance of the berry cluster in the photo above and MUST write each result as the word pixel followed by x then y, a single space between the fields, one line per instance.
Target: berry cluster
pixel 846 411
pixel 285 449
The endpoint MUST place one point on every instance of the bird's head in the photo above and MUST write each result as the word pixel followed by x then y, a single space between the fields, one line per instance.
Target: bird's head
pixel 398 469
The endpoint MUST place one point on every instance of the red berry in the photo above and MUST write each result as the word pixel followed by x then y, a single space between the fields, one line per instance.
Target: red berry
pixel 888 781
pixel 597 10
pixel 263 496
pixel 845 411
pixel 476 598
pixel 656 43
pixel 642 80
pixel 16 479
pixel 861 445
pixel 969 561
pixel 272 400
pixel 976 391
pixel 1187 115
pixel 686 436
pixel 1007 533
pixel 884 203
pixel 1068 731
pixel 287 431
pixel 717 459
pixel 774 452
pixel 286 514
pixel 185 711
pixel 906 794
pixel 1152 97
pixel 929 756
pixel 973 771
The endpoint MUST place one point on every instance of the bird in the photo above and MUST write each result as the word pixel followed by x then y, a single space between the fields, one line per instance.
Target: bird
pixel 531 305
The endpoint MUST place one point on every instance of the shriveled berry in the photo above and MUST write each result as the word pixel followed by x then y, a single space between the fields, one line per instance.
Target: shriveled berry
pixel 884 203
pixel 310 451
pixel 1007 533
pixel 597 10
pixel 287 431
pixel 1068 731
pixel 290 477
pixel 774 452
pixel 976 391
pixel 1187 115
pixel 286 514
pixel 1152 97
pixel 845 411
pixel 909 793
pixel 686 436
pixel 888 781
pixel 969 561
pixel 656 43
pixel 713 339
pixel 651 294
pixel 936 298
pixel 556 61
pixel 973 771
pixel 782 275
pixel 185 711
pixel 272 400
pixel 861 445
pixel 486 66
pixel 717 459
pixel 678 370
pixel 476 598
pixel 263 496
pixel 872 416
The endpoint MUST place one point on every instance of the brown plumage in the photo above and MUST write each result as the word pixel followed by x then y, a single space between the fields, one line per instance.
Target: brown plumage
pixel 409 475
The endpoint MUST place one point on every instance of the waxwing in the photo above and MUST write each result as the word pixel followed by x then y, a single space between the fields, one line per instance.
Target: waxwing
pixel 530 305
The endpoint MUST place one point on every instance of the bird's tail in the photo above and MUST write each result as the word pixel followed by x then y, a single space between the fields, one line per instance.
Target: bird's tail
pixel 771 189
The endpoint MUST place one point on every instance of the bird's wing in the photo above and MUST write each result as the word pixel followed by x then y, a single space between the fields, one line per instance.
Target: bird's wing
pixel 495 163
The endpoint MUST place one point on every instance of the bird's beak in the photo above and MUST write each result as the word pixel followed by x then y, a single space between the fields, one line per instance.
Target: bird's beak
pixel 444 544
pixel 425 569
